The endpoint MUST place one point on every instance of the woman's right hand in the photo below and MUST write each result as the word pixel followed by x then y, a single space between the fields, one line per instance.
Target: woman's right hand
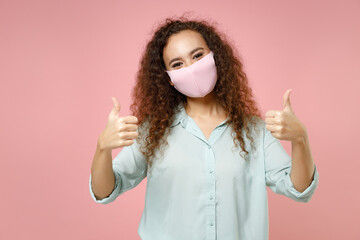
pixel 119 131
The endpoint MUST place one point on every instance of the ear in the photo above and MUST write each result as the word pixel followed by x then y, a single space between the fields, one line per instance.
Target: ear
pixel 171 83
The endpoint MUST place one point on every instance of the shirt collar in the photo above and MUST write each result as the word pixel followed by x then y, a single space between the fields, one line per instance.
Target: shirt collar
pixel 181 117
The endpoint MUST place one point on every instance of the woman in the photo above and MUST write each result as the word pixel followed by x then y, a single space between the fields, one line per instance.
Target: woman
pixel 207 154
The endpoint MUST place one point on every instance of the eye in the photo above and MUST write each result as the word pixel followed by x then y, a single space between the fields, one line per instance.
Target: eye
pixel 198 55
pixel 175 65
pixel 195 56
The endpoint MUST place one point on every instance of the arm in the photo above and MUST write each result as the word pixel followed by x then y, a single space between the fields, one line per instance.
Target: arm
pixel 303 168
pixel 128 168
pixel 103 179
pixel 278 166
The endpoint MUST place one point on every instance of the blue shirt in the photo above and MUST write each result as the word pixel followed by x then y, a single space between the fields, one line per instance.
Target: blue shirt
pixel 202 189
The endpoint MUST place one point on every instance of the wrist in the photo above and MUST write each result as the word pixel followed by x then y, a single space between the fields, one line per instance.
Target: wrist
pixel 101 149
pixel 301 138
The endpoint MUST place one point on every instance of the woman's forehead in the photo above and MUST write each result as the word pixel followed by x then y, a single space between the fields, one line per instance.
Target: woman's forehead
pixel 183 42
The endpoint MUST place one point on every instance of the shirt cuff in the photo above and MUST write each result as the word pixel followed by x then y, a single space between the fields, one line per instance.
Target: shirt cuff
pixel 306 195
pixel 113 195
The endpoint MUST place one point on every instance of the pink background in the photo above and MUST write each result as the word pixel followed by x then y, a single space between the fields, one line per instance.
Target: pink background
pixel 62 61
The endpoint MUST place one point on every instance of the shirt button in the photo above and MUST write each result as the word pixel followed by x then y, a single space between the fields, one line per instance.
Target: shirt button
pixel 209 146
pixel 210 171
pixel 211 223
pixel 211 197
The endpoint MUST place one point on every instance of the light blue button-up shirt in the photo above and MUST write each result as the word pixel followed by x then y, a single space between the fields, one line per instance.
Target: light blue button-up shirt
pixel 202 189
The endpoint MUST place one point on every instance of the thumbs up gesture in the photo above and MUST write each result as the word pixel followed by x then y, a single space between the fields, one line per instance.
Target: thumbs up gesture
pixel 284 124
pixel 119 131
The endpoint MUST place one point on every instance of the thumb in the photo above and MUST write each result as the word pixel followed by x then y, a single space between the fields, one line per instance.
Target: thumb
pixel 116 108
pixel 287 105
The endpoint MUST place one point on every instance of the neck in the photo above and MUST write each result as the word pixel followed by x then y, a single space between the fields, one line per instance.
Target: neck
pixel 203 107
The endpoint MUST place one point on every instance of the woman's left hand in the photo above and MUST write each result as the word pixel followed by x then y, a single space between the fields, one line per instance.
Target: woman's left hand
pixel 284 124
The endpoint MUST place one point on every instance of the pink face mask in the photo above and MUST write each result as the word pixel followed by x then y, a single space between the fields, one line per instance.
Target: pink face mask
pixel 196 80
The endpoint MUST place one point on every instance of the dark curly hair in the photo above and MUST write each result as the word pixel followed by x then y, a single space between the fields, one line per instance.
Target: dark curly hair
pixel 155 100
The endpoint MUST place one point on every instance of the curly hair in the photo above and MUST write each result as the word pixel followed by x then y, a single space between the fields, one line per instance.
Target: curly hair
pixel 155 100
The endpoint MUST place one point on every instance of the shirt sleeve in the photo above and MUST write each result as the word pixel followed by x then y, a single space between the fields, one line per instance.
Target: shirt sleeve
pixel 278 168
pixel 129 168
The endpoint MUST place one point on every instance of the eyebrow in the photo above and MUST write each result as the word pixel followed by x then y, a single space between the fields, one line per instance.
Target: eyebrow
pixel 194 50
